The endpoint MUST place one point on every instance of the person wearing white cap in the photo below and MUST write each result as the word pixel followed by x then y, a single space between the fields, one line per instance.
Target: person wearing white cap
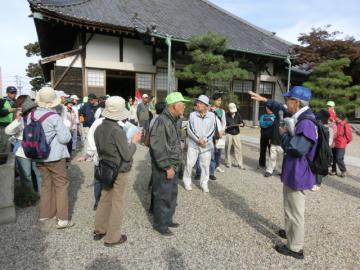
pixel 233 124
pixel 54 200
pixel 112 145
pixel 201 129
pixel 143 113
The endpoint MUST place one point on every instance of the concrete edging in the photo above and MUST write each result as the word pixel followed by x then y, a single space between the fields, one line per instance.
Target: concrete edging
pixel 7 181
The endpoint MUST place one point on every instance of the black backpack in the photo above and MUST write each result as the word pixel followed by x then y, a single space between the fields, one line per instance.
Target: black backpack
pixel 323 154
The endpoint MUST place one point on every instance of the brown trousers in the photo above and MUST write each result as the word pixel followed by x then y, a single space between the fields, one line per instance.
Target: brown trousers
pixel 54 200
pixel 110 212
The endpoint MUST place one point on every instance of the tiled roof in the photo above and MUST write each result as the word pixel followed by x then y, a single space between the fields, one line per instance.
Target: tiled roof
pixel 179 18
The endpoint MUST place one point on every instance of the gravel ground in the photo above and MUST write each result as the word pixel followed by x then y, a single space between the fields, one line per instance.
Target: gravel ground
pixel 232 227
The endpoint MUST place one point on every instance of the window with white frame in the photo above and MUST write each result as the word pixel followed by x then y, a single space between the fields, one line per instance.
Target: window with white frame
pixel 144 81
pixel 223 85
pixel 96 77
pixel 240 86
pixel 267 88
pixel 161 79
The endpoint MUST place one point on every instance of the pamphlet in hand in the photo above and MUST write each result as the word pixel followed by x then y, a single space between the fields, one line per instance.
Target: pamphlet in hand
pixel 130 130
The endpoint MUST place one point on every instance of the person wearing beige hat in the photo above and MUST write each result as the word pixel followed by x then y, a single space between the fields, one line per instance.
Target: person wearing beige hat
pixel 54 202
pixel 233 124
pixel 112 145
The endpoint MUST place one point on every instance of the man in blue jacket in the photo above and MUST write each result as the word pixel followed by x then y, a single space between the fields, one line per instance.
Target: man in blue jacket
pixel 299 144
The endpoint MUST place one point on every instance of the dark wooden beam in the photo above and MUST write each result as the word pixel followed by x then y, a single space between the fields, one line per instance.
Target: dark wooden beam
pixel 83 57
pixel 60 56
pixel 121 48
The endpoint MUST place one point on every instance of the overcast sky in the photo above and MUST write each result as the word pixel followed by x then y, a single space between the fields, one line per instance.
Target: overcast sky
pixel 286 18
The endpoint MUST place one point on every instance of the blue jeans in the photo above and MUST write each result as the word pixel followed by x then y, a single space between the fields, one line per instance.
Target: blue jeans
pixel 25 165
pixel 215 162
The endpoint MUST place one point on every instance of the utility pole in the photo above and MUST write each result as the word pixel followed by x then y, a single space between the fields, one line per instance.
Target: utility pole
pixel 19 83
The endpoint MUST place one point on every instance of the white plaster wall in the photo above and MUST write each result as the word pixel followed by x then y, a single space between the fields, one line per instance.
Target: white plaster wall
pixel 103 48
pixel 136 52
pixel 67 61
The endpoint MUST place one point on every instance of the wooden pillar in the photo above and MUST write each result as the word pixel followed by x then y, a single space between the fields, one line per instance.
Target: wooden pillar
pixel 83 64
pixel 255 113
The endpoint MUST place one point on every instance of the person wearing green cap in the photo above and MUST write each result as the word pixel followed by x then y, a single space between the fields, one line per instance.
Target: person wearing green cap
pixel 165 151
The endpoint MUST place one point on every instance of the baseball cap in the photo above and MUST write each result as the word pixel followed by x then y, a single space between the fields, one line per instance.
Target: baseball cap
pixel 330 103
pixel 299 92
pixel 175 97
pixel 92 96
pixel 11 89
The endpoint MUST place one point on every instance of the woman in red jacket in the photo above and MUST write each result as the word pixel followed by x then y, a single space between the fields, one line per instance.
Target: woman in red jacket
pixel 343 138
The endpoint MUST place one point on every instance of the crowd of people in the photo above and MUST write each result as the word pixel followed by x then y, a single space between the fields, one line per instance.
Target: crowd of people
pixel 289 145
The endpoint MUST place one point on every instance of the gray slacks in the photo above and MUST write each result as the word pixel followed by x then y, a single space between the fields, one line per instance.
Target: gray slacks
pixel 164 194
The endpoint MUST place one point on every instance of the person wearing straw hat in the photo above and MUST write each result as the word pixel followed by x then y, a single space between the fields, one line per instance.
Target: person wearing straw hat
pixel 112 145
pixel 201 129
pixel 165 151
pixel 54 202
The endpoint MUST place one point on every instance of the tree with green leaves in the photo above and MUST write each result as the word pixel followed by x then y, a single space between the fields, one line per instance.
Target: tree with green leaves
pixel 34 70
pixel 210 70
pixel 329 82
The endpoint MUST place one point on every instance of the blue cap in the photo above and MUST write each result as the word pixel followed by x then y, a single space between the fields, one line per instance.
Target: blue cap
pixel 11 89
pixel 299 92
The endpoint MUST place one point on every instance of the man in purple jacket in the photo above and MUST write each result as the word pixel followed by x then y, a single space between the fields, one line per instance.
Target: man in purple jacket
pixel 299 145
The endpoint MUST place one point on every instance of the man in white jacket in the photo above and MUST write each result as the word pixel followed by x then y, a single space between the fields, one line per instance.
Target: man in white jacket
pixel 201 129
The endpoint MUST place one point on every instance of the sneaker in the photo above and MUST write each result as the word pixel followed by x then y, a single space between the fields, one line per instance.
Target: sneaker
pixel 342 174
pixel 268 174
pixel 205 189
pixel 332 173
pixel 213 177
pixel 220 170
pixel 284 250
pixel 228 166
pixel 188 188
pixel 315 188
pixel 63 224
pixel 242 168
